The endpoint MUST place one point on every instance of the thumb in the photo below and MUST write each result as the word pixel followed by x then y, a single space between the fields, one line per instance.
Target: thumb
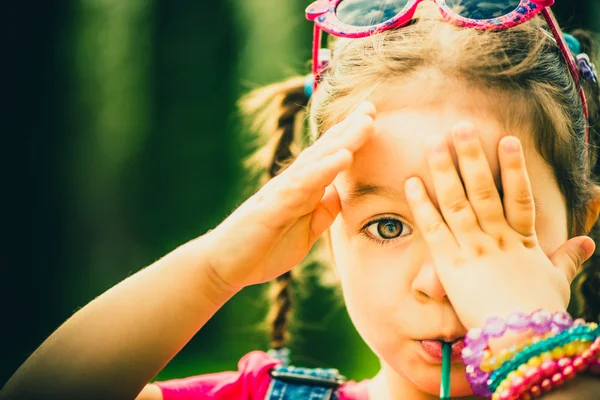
pixel 325 213
pixel 570 256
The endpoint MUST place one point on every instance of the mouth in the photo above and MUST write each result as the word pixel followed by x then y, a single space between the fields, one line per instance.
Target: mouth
pixel 433 348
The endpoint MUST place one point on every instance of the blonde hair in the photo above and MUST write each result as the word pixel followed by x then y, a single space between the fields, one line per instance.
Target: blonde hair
pixel 522 63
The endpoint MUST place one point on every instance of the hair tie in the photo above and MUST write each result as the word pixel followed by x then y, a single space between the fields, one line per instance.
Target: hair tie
pixel 586 68
pixel 309 82
pixel 573 44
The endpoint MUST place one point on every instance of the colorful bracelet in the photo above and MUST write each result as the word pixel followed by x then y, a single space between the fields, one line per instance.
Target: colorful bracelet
pixel 540 321
pixel 476 341
pixel 578 333
pixel 529 380
pixel 491 362
pixel 497 367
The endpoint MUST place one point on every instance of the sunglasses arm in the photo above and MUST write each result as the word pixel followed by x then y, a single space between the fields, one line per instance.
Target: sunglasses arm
pixel 316 70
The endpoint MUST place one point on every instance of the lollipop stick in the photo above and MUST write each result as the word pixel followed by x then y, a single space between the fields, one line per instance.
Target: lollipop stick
pixel 445 381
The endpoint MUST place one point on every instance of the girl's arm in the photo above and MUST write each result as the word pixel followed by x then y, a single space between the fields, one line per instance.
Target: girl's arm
pixel 116 344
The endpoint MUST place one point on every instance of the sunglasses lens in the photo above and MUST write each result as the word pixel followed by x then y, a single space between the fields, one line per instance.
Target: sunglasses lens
pixel 368 12
pixel 483 9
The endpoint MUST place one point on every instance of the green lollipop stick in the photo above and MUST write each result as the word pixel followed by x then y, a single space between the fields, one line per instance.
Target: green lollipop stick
pixel 445 382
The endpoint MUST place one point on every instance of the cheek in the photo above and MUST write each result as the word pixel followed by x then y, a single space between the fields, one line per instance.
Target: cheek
pixel 551 217
pixel 365 266
pixel 551 231
pixel 551 210
pixel 375 281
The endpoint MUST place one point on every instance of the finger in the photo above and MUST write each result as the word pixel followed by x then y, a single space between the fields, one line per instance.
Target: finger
pixel 357 132
pixel 452 201
pixel 317 166
pixel 570 256
pixel 287 198
pixel 365 108
pixel 340 134
pixel 322 173
pixel 478 179
pixel 325 213
pixel 302 191
pixel 519 206
pixel 430 223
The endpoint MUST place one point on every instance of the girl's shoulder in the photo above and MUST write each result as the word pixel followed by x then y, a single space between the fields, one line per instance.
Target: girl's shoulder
pixel 254 380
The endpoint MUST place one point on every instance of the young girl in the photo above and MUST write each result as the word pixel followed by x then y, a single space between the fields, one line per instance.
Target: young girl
pixel 452 175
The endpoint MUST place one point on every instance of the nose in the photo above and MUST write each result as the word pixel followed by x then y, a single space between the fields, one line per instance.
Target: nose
pixel 427 285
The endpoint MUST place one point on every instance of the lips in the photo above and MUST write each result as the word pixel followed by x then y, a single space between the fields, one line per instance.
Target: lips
pixel 434 348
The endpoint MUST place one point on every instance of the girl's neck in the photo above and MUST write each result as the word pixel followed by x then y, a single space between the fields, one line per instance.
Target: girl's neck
pixel 388 385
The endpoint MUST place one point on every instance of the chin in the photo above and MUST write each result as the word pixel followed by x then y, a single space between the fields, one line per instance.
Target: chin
pixel 425 376
pixel 410 366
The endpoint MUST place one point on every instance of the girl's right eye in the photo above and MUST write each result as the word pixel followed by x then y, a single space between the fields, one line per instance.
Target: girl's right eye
pixel 385 230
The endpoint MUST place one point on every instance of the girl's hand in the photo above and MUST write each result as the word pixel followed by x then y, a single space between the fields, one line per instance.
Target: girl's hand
pixel 275 228
pixel 485 249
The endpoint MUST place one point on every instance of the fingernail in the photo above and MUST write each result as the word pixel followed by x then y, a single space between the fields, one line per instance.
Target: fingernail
pixel 588 246
pixel 510 144
pixel 438 144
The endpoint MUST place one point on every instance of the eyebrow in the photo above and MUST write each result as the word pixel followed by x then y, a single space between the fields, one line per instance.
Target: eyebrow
pixel 360 191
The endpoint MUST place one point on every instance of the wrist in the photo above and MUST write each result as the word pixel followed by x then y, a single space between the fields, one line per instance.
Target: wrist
pixel 542 351
pixel 200 253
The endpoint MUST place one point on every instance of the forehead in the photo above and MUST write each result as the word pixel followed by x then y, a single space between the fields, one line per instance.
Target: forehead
pixel 422 104
pixel 397 150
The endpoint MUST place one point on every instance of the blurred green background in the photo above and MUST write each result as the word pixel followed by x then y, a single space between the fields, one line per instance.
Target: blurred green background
pixel 122 141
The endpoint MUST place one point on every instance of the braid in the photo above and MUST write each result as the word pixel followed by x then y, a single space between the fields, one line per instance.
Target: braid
pixel 291 105
pixel 279 111
pixel 281 299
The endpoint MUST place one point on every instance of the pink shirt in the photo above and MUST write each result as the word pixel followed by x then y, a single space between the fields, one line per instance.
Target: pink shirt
pixel 250 382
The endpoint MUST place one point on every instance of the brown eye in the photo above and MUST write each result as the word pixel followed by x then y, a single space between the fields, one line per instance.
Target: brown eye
pixel 388 229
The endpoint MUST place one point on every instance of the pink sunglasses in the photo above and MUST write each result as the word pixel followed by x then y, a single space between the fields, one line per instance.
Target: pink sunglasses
pixel 361 18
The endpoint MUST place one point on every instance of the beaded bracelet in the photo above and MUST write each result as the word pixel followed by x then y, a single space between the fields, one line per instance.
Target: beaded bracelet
pixel 569 368
pixel 491 362
pixel 529 380
pixel 540 321
pixel 582 333
pixel 476 341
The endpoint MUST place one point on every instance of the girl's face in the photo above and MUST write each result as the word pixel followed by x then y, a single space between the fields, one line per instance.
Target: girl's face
pixel 390 286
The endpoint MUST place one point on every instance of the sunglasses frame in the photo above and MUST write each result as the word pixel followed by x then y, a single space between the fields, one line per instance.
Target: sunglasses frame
pixel 323 14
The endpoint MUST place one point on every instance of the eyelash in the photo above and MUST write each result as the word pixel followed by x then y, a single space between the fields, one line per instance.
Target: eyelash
pixel 383 242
